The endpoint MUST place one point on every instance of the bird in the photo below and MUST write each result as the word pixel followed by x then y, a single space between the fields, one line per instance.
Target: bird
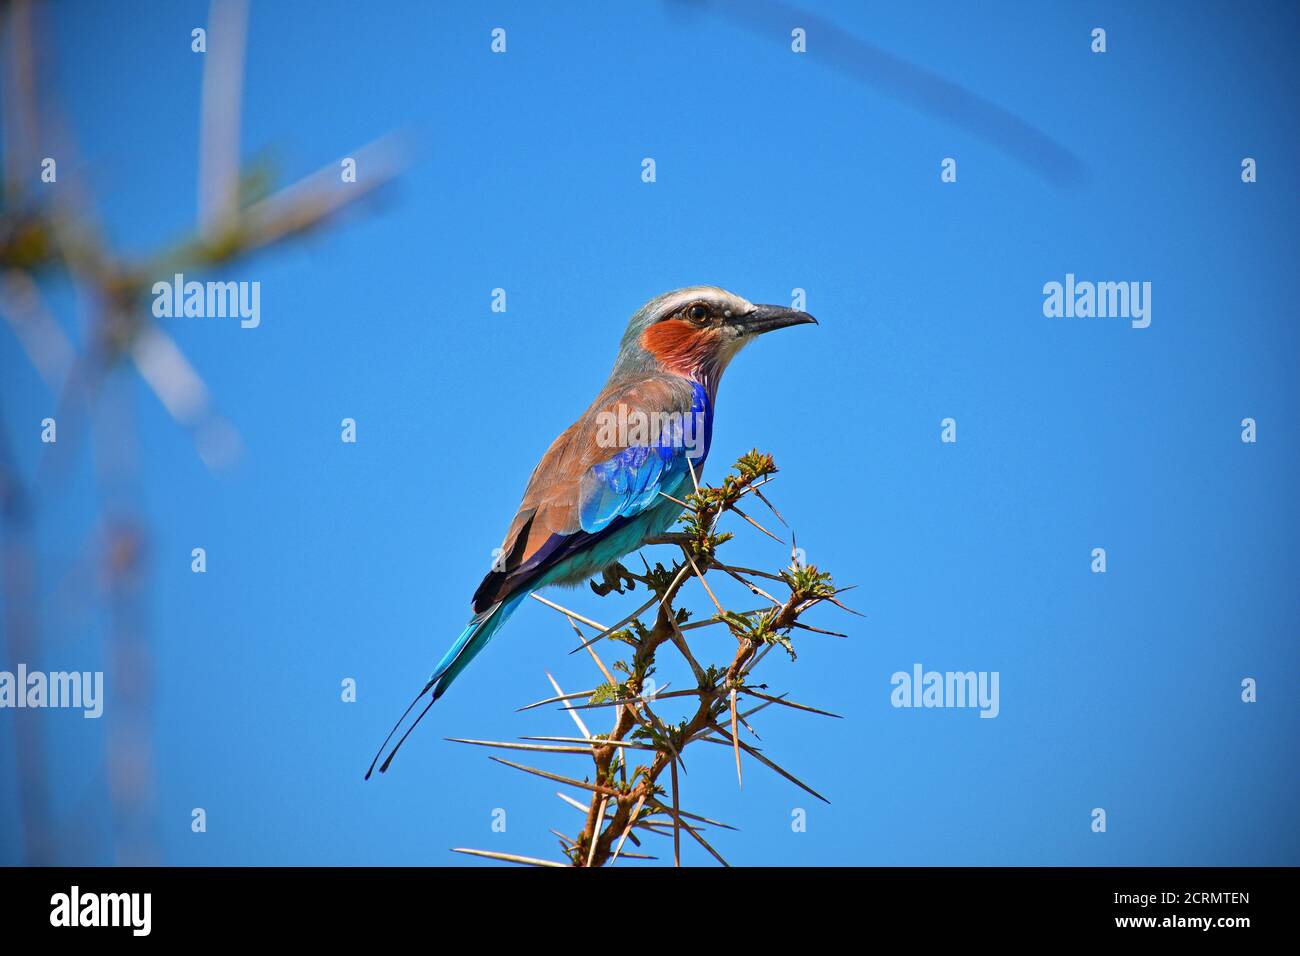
pixel 606 485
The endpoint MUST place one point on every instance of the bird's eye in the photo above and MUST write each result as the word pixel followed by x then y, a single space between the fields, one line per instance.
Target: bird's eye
pixel 699 312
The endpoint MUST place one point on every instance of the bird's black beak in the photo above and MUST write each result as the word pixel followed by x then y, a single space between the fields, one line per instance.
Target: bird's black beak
pixel 768 318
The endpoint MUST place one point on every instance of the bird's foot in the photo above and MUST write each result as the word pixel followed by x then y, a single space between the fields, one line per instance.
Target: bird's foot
pixel 614 578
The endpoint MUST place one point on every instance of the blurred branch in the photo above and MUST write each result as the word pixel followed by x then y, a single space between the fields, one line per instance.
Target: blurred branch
pixel 223 76
pixel 915 86
pixel 19 96
pixel 18 569
pixel 48 232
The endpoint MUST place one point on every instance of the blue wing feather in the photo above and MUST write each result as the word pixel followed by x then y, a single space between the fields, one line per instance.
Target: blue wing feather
pixel 630 482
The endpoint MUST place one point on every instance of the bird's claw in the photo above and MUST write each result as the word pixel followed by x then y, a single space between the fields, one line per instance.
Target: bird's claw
pixel 613 578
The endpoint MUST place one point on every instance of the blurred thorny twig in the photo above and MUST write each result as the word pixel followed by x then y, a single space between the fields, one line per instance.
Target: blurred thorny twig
pixel 49 234
pixel 625 794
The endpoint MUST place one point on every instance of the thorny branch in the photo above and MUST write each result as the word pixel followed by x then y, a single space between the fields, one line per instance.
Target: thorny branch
pixel 625 793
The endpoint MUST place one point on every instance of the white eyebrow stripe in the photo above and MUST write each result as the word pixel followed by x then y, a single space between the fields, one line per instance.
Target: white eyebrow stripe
pixel 711 294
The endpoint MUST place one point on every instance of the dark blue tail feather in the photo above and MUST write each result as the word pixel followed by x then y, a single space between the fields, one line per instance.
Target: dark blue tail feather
pixel 472 640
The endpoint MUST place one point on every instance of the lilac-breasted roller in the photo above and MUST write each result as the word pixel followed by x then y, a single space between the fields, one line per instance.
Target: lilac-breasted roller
pixel 596 494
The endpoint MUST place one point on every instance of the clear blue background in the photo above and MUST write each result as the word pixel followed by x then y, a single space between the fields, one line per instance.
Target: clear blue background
pixel 775 171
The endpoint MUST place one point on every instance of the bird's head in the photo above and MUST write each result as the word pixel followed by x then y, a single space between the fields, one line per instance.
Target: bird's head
pixel 696 332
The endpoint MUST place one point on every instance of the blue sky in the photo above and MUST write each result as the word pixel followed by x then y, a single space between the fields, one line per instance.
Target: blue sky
pixel 774 171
